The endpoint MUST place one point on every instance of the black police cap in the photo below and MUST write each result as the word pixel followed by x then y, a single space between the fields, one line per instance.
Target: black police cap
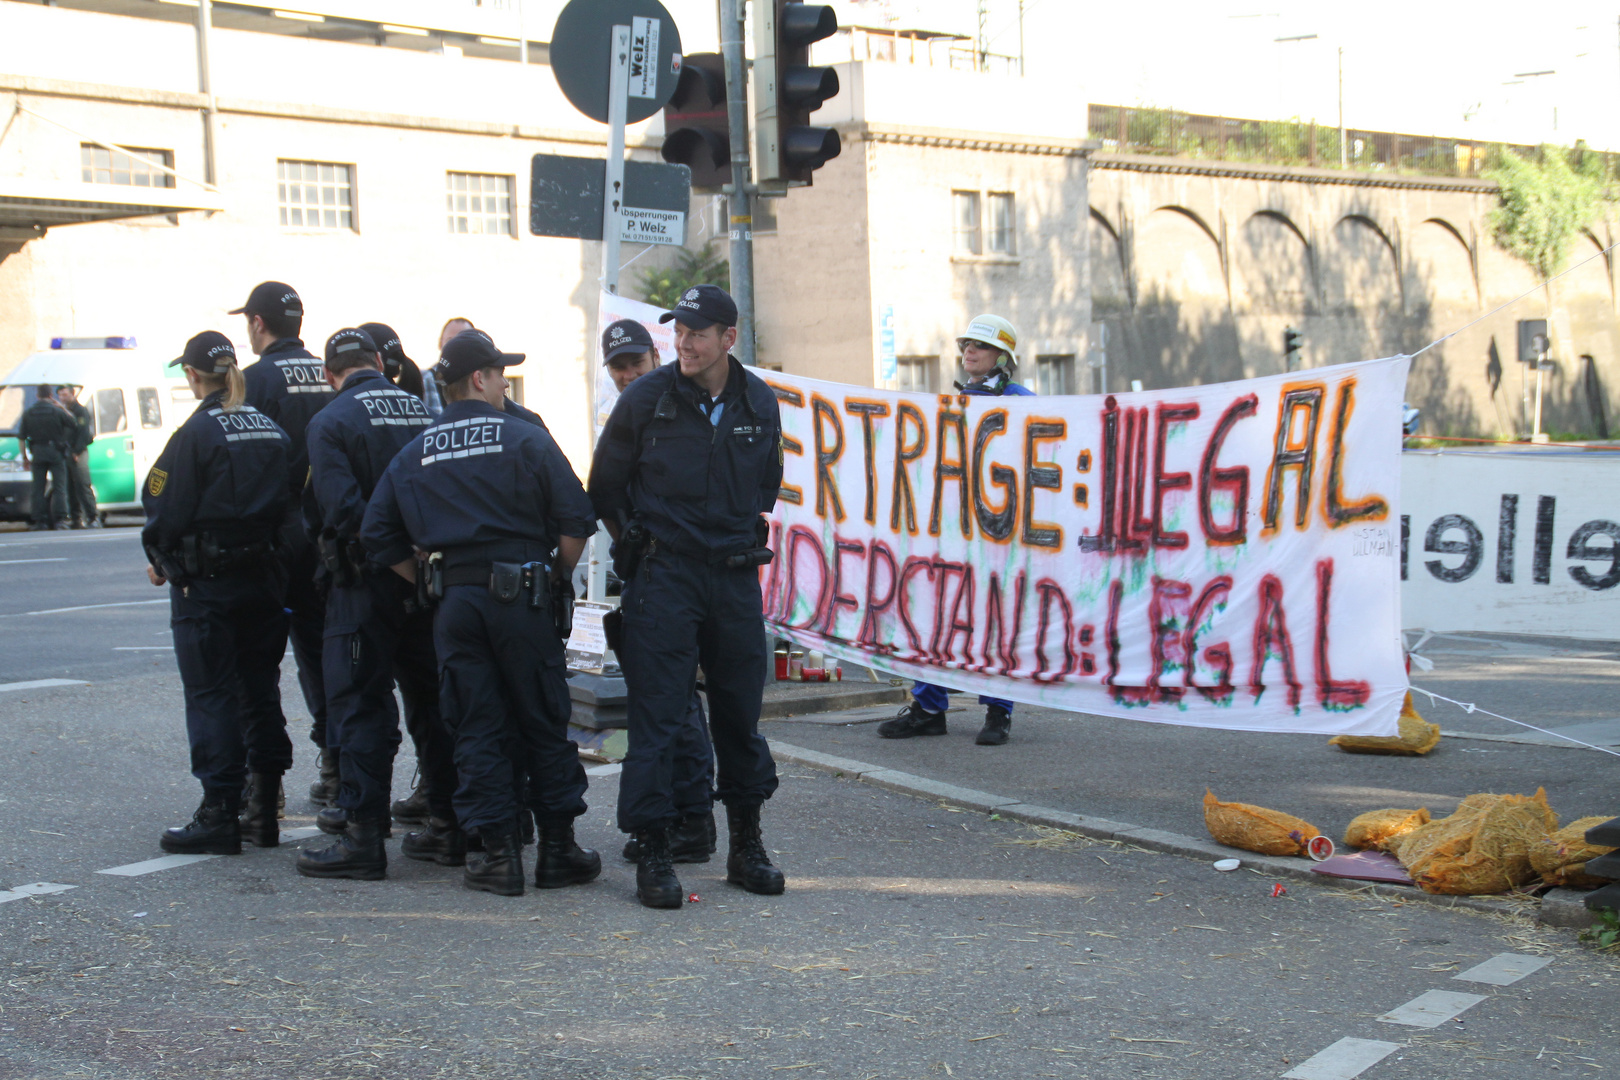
pixel 210 352
pixel 387 344
pixel 470 351
pixel 272 298
pixel 701 306
pixel 624 336
pixel 349 339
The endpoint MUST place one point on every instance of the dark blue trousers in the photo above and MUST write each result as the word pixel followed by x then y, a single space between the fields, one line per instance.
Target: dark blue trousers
pixel 229 634
pixel 692 777
pixel 934 698
pixel 306 609
pixel 372 643
pixel 679 612
pixel 503 692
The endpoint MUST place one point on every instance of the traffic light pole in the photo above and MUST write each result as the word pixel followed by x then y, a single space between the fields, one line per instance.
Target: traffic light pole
pixel 739 203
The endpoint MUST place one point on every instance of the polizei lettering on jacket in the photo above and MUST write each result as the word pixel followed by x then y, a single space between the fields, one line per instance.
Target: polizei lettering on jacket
pixel 245 423
pixel 304 375
pixel 464 438
pixel 391 406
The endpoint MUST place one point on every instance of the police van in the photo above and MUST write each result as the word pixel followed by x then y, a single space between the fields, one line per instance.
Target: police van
pixel 135 401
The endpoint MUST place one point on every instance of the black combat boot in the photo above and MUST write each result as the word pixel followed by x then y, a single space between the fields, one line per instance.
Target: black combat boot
pixel 413 809
pixel 214 830
pixel 749 865
pixel 691 840
pixel 656 883
pixel 913 720
pixel 323 792
pixel 997 727
pixel 334 821
pixel 359 853
pixel 560 860
pixel 441 842
pixel 260 810
pixel 499 867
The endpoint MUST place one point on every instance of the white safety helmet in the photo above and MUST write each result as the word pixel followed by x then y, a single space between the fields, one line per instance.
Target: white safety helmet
pixel 994 331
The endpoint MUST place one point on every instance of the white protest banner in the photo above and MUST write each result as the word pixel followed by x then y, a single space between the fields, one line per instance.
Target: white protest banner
pixel 1524 542
pixel 610 308
pixel 1216 556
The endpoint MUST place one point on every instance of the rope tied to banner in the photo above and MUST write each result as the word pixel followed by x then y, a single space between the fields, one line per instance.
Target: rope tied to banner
pixel 1471 708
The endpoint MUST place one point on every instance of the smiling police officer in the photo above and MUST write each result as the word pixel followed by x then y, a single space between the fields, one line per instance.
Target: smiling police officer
pixel 688 462
pixel 215 500
pixel 498 512
pixel 288 385
pixel 376 634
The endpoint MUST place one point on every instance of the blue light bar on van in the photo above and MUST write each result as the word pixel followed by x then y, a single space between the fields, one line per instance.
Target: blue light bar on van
pixel 121 342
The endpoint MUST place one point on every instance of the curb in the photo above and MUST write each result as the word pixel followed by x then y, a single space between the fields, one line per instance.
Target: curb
pixel 1103 829
pixel 786 705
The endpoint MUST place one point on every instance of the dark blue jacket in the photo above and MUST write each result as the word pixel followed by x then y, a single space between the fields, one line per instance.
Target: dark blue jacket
pixel 221 472
pixel 475 477
pixel 288 384
pixel 351 443
pixel 512 408
pixel 698 487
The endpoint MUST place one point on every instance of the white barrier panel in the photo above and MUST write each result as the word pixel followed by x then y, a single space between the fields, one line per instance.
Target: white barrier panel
pixel 1511 542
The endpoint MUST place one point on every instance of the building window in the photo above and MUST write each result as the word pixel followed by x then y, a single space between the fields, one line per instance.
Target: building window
pixel 1054 375
pixel 1003 224
pixel 315 195
pixel 917 373
pixel 968 238
pixel 136 168
pixel 479 205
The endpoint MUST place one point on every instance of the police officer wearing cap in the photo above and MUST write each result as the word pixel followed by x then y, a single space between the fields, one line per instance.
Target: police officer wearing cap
pixel 628 353
pixel 687 465
pixel 46 435
pixel 989 349
pixel 497 513
pixel 376 632
pixel 215 501
pixel 288 384
pixel 400 369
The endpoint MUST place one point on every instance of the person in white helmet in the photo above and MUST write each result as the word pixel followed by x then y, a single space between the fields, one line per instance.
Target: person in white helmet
pixel 989 348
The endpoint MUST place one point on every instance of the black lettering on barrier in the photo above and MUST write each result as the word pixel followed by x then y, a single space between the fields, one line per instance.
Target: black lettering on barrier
pixel 1541 556
pixel 1406 541
pixel 1581 547
pixel 1471 549
pixel 1507 538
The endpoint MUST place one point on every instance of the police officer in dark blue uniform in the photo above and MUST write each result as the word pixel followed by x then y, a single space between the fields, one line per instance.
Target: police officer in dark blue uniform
pixel 288 384
pixel 688 462
pixel 499 515
pixel 215 500
pixel 376 632
pixel 989 349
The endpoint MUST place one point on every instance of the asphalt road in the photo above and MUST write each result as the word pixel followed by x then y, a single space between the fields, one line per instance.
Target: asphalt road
pixel 914 940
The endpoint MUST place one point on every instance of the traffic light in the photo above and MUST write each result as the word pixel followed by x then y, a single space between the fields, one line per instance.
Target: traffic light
pixel 787 90
pixel 1293 341
pixel 696 131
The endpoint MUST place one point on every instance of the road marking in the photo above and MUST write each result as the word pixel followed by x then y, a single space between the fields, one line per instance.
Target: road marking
pixel 152 866
pixel 1505 969
pixel 143 648
pixel 41 684
pixel 19 562
pixel 38 888
pixel 1431 1009
pixel 1343 1060
pixel 83 607
pixel 605 770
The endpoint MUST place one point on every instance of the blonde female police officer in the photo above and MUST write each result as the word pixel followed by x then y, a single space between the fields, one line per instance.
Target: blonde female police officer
pixel 214 502
pixel 989 353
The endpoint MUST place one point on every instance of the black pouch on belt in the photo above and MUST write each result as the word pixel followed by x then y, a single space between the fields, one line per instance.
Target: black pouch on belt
pixel 613 628
pixel 505 581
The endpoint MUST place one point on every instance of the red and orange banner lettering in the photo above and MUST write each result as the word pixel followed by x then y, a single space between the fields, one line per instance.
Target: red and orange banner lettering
pixel 1218 556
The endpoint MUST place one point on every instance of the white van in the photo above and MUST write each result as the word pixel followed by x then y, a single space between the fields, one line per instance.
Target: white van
pixel 135 404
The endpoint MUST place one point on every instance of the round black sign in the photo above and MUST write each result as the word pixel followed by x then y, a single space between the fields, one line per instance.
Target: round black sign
pixel 580 47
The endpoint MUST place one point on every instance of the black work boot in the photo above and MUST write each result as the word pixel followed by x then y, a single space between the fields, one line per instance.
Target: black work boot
pixel 499 867
pixel 913 720
pixel 359 853
pixel 749 865
pixel 691 840
pixel 413 809
pixel 323 792
pixel 656 883
pixel 259 810
pixel 997 726
pixel 441 842
pixel 560 860
pixel 214 830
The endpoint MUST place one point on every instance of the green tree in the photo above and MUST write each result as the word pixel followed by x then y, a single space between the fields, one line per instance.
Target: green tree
pixel 1545 204
pixel 662 287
